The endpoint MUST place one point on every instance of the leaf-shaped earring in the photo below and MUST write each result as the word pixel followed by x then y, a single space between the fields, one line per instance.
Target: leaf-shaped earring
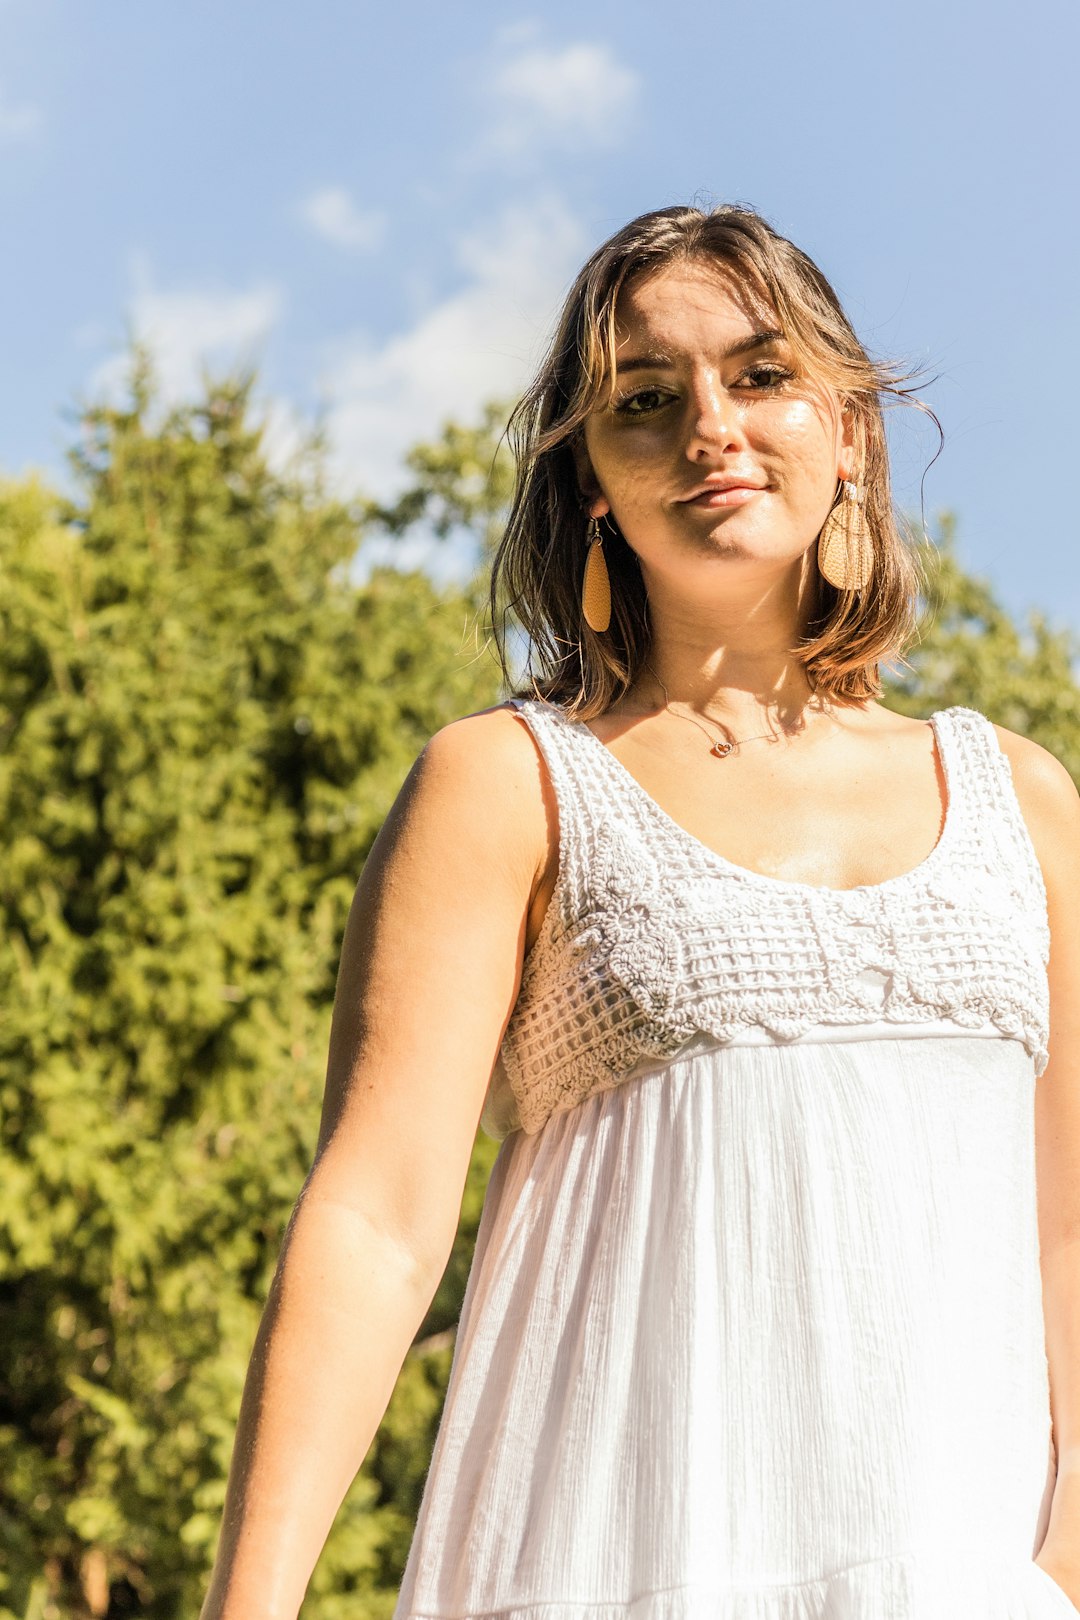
pixel 845 546
pixel 596 584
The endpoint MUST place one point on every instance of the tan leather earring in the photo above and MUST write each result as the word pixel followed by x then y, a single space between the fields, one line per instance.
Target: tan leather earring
pixel 845 546
pixel 596 584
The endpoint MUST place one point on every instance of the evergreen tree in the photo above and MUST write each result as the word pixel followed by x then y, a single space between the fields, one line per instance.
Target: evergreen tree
pixel 973 652
pixel 203 727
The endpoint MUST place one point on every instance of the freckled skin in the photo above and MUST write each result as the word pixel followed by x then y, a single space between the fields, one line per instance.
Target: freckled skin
pixel 711 414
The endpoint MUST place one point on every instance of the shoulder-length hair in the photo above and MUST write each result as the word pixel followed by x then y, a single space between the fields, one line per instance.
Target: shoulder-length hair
pixel 537 567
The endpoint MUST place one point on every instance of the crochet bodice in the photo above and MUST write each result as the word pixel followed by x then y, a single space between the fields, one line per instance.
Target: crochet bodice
pixel 651 939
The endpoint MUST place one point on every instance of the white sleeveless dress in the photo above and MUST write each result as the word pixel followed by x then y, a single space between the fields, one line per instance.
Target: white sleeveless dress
pixel 754 1325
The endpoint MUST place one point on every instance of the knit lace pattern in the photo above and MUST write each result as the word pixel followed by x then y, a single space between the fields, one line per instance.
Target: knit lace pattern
pixel 651 938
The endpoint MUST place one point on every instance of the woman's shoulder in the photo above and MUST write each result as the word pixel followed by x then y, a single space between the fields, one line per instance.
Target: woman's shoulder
pixel 1047 794
pixel 494 733
pixel 494 757
pixel 474 800
pixel 489 757
pixel 1030 760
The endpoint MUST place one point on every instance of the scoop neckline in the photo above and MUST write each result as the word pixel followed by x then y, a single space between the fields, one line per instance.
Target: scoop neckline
pixel 747 873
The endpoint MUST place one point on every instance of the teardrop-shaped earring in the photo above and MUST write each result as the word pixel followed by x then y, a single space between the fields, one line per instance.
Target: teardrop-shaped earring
pixel 596 584
pixel 845 545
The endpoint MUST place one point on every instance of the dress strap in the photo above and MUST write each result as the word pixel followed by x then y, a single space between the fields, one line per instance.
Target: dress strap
pixel 995 816
pixel 579 805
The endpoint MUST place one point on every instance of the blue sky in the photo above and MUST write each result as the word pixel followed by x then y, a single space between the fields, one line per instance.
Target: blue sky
pixel 384 206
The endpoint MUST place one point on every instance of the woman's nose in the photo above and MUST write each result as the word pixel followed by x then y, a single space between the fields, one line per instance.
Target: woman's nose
pixel 713 419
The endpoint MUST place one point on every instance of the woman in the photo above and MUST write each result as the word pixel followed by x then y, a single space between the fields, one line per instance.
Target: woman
pixel 754 978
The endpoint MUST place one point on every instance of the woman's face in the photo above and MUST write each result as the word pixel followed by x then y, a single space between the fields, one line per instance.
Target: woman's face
pixel 704 395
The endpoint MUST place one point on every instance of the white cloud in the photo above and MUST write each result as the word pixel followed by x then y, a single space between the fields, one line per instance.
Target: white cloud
pixel 188 327
pixel 333 215
pixel 478 343
pixel 542 98
pixel 378 394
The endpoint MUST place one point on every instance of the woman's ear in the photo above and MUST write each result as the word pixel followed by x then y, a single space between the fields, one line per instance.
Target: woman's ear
pixel 592 495
pixel 848 442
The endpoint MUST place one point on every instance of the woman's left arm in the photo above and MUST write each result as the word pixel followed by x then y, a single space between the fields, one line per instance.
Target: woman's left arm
pixel 1051 805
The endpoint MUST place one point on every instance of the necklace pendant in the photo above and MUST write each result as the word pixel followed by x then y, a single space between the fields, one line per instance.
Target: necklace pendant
pixel 722 749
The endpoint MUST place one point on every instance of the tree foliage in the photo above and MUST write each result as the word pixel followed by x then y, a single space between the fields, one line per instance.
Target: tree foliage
pixel 461 481
pixel 973 652
pixel 202 726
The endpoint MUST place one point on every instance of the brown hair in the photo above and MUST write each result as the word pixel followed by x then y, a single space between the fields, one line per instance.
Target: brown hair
pixel 539 561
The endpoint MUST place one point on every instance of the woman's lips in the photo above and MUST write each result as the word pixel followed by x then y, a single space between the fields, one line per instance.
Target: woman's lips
pixel 737 495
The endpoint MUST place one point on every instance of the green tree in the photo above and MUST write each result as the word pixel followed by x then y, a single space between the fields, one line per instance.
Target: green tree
pixel 462 481
pixel 973 652
pixel 203 726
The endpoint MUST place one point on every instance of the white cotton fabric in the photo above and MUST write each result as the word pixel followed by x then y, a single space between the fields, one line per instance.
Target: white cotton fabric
pixel 756 1333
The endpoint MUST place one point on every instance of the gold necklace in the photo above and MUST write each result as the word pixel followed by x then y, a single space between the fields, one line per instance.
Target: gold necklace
pixel 721 748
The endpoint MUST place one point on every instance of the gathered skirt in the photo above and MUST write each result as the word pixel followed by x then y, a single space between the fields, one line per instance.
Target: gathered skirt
pixel 757 1334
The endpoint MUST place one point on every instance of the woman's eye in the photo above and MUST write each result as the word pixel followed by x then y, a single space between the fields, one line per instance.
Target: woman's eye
pixel 642 403
pixel 767 376
pixel 647 401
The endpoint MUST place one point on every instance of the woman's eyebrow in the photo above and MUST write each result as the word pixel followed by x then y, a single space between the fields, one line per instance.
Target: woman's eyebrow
pixel 663 362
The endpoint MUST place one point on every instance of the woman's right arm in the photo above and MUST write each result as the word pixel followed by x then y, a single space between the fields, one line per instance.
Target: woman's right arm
pixel 429 973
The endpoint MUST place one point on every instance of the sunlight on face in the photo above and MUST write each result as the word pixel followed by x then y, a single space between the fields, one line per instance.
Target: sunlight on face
pixel 706 390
